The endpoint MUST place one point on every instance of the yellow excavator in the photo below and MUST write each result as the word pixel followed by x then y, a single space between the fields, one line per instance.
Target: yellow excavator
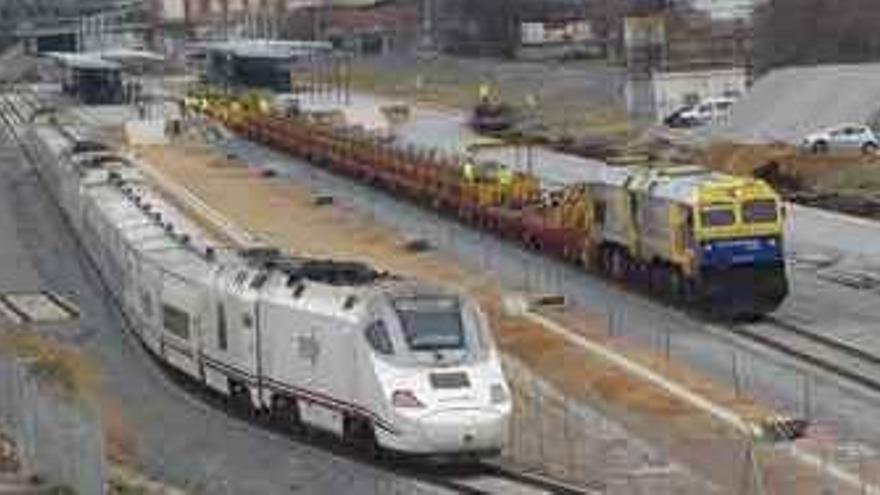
pixel 491 115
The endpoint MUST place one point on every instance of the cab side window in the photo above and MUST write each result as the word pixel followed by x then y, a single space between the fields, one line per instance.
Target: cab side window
pixel 600 213
pixel 222 341
pixel 378 338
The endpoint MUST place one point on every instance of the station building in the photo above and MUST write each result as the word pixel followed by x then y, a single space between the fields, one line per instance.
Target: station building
pixel 264 64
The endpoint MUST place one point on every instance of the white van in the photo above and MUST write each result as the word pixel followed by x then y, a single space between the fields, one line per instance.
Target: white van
pixel 708 111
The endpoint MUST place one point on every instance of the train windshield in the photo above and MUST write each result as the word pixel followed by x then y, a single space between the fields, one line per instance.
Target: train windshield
pixel 760 211
pixel 431 324
pixel 717 217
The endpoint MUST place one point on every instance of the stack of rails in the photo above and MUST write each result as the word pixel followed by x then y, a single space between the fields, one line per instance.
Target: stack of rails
pixel 689 235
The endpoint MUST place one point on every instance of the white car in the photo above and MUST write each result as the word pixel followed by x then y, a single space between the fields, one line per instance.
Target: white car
pixel 843 137
pixel 708 111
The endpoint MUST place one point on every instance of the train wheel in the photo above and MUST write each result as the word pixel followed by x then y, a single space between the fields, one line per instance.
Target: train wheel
pixel 240 398
pixel 586 258
pixel 619 264
pixel 658 278
pixel 677 283
pixel 358 432
pixel 603 260
pixel 285 413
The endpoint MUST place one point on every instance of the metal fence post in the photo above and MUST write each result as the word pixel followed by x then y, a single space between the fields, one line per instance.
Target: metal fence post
pixel 540 417
pixel 806 396
pixel 611 322
pixel 26 432
pixel 734 363
pixel 863 485
pixel 566 430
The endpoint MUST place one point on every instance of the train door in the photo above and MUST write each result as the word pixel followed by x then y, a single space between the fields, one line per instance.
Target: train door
pixel 682 222
pixel 180 311
pixel 132 273
pixel 232 365
pixel 149 285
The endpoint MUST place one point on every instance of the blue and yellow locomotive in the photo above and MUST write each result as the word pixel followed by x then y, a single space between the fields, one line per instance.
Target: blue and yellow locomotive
pixel 700 236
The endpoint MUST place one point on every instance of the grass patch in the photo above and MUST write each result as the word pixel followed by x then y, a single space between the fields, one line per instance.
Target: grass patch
pixel 60 366
pixel 562 110
pixel 861 179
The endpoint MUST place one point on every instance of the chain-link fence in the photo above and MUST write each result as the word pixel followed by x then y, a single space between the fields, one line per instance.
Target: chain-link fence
pixel 687 454
pixel 59 439
pixel 565 439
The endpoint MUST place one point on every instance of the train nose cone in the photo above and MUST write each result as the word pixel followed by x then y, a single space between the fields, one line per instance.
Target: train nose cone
pixel 456 430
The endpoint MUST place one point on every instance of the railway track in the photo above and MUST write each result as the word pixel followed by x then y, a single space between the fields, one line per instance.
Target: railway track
pixel 833 356
pixel 489 478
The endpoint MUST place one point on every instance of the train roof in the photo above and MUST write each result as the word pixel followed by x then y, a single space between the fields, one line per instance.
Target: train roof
pixel 692 184
pixel 159 232
pixel 145 219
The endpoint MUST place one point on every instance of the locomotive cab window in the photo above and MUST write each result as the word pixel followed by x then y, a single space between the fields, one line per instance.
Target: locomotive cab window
pixel 717 217
pixel 431 323
pixel 222 340
pixel 600 212
pixel 760 211
pixel 379 339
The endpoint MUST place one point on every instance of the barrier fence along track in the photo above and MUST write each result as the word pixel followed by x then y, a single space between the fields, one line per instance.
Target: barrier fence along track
pixel 833 358
pixel 59 439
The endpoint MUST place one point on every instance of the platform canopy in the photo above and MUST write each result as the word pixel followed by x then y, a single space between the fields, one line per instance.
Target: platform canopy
pixel 265 48
pixel 84 61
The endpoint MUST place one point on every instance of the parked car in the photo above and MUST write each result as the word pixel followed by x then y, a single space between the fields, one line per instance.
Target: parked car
pixel 856 137
pixel 708 111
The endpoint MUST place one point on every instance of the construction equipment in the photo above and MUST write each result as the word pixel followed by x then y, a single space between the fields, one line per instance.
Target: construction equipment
pixel 491 115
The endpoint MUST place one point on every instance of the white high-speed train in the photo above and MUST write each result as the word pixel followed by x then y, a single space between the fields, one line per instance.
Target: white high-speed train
pixel 373 358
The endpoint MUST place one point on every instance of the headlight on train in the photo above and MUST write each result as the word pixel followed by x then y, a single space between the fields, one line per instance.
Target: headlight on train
pixel 498 394
pixel 406 399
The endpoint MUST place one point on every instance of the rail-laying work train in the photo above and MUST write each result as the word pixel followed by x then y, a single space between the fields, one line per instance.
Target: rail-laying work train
pixel 379 360
pixel 701 238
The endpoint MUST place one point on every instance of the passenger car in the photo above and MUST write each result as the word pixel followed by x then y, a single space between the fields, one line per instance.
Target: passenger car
pixel 843 137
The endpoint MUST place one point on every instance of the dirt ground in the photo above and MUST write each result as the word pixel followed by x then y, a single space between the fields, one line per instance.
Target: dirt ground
pixel 845 182
pixel 572 99
pixel 285 214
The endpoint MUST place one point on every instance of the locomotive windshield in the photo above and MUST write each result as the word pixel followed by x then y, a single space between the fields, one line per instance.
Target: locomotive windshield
pixel 760 211
pixel 717 217
pixel 431 324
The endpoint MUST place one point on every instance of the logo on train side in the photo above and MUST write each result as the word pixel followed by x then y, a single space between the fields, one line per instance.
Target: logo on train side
pixel 309 348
